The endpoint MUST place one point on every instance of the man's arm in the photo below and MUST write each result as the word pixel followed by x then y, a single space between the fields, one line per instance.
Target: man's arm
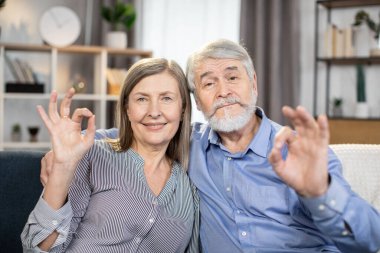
pixel 314 172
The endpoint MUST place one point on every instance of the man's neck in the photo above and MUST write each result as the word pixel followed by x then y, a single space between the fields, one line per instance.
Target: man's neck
pixel 238 141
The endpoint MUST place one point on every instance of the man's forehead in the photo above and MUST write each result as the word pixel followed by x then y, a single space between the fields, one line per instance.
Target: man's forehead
pixel 212 65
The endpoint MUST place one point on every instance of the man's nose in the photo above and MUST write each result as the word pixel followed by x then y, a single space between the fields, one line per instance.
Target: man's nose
pixel 224 89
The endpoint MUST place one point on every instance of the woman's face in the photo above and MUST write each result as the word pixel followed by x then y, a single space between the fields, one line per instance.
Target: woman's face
pixel 155 110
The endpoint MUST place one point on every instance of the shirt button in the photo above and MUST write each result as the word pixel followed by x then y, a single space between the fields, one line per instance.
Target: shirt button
pixel 345 232
pixel 332 202
pixel 321 207
pixel 151 220
pixel 155 202
pixel 54 222
pixel 243 233
pixel 138 239
pixel 238 212
pixel 228 189
pixel 229 158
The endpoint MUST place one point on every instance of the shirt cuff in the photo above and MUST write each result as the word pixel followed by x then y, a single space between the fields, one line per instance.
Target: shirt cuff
pixel 328 205
pixel 51 219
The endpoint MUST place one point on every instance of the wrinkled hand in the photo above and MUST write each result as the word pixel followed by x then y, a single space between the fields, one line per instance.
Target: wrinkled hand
pixel 305 167
pixel 69 145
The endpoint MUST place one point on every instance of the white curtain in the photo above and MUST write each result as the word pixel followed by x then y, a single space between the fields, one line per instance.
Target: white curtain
pixel 175 28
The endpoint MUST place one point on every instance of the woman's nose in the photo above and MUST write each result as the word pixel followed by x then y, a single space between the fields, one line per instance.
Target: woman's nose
pixel 154 110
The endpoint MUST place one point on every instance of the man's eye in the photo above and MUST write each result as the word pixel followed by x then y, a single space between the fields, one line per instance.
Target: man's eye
pixel 208 84
pixel 233 78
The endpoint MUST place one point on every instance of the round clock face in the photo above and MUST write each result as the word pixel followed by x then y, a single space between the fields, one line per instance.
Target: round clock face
pixel 59 26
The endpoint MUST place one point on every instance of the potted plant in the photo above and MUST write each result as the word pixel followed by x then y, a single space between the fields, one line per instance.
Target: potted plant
pixel 16 132
pixel 2 3
pixel 363 16
pixel 362 109
pixel 121 17
pixel 337 107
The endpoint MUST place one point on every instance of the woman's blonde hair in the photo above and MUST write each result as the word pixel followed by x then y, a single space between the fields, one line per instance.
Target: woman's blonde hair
pixel 178 149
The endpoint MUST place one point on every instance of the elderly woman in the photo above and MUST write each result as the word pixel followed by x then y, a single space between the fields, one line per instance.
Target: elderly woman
pixel 130 194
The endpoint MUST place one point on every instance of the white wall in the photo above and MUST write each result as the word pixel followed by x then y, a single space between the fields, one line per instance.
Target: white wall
pixel 174 29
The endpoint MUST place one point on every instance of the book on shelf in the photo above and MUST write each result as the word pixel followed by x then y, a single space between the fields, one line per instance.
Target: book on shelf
pixel 21 71
pixel 338 42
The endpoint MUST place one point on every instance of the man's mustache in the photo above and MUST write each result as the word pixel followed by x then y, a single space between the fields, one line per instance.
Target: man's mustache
pixel 224 101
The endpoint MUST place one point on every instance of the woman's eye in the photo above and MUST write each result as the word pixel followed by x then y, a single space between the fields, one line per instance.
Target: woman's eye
pixel 142 99
pixel 167 99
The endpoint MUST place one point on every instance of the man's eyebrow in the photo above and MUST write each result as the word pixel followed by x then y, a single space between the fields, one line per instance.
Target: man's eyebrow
pixel 232 68
pixel 205 74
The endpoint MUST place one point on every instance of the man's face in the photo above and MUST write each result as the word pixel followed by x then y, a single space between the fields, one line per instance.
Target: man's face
pixel 225 94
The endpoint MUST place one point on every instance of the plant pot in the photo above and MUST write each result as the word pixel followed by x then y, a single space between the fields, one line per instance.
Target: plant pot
pixel 362 110
pixel 16 136
pixel 376 50
pixel 116 39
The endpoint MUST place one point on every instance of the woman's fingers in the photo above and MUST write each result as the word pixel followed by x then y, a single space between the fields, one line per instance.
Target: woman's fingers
pixel 66 103
pixel 44 117
pixel 80 113
pixel 53 113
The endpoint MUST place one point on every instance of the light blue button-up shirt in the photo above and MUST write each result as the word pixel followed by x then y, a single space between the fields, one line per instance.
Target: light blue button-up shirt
pixel 245 206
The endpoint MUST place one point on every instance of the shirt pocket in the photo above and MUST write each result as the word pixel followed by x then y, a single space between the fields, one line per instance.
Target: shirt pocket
pixel 268 201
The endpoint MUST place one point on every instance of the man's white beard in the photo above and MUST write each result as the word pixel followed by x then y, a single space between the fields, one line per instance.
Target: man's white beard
pixel 230 123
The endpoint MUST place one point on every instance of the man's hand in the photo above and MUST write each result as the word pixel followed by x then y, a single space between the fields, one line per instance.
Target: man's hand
pixel 305 167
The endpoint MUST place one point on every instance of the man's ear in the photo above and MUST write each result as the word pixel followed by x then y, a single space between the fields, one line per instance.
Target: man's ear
pixel 197 102
pixel 254 83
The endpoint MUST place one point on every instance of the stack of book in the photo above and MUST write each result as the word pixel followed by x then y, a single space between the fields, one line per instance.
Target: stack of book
pixel 25 79
pixel 338 42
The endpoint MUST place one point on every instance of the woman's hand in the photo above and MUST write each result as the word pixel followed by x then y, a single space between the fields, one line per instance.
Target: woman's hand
pixel 69 145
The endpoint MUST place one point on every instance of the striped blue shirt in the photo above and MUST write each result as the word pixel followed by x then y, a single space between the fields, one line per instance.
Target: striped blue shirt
pixel 111 208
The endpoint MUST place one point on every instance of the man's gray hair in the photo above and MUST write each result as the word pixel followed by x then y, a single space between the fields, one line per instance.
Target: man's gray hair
pixel 219 49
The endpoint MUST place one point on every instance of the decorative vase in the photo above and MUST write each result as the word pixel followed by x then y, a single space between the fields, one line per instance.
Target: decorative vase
pixel 116 39
pixel 376 50
pixel 362 110
pixel 362 39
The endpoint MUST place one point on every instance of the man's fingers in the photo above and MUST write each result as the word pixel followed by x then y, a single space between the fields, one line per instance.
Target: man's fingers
pixel 66 103
pixel 285 135
pixel 324 132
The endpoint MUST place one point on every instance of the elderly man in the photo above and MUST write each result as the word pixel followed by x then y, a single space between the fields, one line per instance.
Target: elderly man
pixel 264 187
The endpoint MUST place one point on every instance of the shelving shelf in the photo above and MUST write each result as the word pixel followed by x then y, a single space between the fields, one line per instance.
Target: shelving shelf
pixel 350 60
pixel 347 3
pixel 96 88
pixel 344 129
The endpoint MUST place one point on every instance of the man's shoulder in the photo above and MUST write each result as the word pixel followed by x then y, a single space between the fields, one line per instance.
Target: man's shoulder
pixel 111 133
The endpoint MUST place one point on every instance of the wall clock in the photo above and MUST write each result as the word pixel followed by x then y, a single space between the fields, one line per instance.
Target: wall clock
pixel 59 26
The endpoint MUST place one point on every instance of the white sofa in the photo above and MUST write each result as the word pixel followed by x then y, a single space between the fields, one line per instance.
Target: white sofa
pixel 361 168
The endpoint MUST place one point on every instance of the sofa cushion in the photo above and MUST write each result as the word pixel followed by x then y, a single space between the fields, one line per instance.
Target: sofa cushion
pixel 20 189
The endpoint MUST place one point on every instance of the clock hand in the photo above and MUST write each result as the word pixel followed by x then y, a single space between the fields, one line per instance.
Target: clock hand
pixel 55 19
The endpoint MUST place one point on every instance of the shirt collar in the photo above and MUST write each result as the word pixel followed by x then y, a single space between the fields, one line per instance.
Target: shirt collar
pixel 261 140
